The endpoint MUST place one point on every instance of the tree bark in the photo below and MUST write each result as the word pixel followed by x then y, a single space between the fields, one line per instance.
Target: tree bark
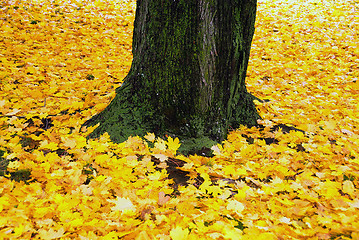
pixel 187 77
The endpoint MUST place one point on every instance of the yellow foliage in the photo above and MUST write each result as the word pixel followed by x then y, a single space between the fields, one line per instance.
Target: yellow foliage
pixel 60 62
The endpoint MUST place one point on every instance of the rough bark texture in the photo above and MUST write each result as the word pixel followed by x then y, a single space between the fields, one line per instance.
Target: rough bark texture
pixel 187 77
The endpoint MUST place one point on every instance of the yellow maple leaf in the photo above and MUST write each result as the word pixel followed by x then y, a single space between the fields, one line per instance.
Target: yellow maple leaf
pixel 160 157
pixel 2 103
pixel 178 233
pixel 150 137
pixel 162 198
pixel 14 165
pixel 51 146
pixel 69 142
pixel 160 144
pixel 348 187
pixel 173 144
pixel 19 230
pixel 122 204
pixel 235 206
pixel 155 176
pixel 51 233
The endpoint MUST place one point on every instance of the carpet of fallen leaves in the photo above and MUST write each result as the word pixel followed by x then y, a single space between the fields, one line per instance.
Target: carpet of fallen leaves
pixel 60 62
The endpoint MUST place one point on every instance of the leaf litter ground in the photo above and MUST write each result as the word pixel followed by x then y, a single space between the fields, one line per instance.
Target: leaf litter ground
pixel 60 62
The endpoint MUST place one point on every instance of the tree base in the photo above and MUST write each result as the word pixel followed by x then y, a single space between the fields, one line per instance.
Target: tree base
pixel 129 115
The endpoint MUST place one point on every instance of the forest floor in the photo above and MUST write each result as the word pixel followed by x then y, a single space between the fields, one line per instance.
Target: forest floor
pixel 60 62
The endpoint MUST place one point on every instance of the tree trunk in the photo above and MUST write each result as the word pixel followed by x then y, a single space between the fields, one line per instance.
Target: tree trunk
pixel 187 77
